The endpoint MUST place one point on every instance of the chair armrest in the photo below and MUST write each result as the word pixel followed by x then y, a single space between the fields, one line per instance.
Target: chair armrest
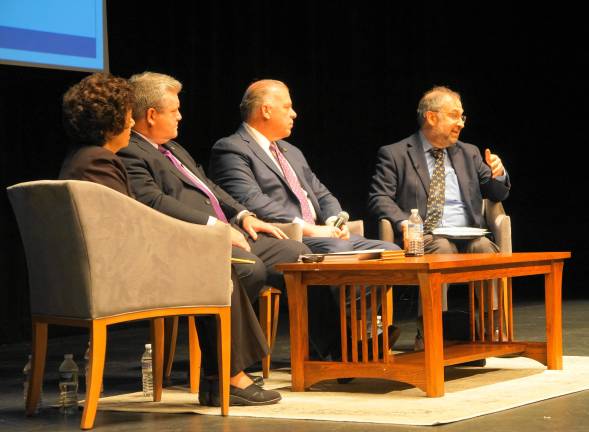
pixel 385 230
pixel 499 224
pixel 356 227
pixel 293 230
pixel 140 258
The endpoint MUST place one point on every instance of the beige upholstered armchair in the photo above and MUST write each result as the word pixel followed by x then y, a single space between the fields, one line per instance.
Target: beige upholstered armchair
pixel 96 257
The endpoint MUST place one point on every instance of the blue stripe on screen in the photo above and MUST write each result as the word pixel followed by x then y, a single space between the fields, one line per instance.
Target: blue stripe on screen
pixel 47 42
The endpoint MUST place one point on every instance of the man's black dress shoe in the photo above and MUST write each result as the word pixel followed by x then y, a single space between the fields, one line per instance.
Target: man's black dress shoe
pixel 208 395
pixel 249 396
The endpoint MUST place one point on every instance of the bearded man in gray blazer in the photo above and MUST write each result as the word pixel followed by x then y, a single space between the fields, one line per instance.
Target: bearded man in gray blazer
pixel 404 171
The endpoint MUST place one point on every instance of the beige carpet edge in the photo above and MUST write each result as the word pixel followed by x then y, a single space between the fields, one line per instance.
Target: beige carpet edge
pixel 431 410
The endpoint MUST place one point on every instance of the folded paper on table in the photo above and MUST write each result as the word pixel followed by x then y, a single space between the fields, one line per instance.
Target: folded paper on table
pixel 348 256
pixel 460 232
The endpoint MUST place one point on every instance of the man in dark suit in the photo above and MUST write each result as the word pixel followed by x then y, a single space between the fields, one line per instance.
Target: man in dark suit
pixel 404 170
pixel 164 176
pixel 273 179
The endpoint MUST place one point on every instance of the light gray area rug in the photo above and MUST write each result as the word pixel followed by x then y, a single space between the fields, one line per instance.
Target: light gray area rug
pixel 503 384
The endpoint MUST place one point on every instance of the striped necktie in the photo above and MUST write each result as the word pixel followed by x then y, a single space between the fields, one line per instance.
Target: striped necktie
pixel 293 183
pixel 195 181
pixel 437 193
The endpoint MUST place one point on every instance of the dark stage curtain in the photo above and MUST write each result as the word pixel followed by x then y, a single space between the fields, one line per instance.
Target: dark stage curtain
pixel 356 72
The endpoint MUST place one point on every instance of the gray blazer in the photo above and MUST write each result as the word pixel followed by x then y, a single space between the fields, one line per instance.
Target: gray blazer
pixel 246 172
pixel 157 183
pixel 401 181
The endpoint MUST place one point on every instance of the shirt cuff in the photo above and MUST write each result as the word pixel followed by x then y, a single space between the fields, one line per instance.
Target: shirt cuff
pixel 502 178
pixel 299 221
pixel 242 214
pixel 212 221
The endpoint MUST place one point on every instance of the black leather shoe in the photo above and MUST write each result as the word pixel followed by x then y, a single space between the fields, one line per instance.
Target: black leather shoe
pixel 249 396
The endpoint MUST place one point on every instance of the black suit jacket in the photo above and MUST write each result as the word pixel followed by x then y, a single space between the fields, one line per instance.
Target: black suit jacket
pixel 401 181
pixel 156 182
pixel 243 169
pixel 98 165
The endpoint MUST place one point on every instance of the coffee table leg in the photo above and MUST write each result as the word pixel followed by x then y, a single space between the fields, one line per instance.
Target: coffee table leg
pixel 553 295
pixel 299 328
pixel 430 289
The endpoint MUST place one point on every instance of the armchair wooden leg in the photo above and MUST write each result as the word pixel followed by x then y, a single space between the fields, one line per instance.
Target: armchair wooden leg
pixel 37 365
pixel 194 355
pixel 95 370
pixel 275 312
pixel 170 338
pixel 269 306
pixel 224 356
pixel 157 353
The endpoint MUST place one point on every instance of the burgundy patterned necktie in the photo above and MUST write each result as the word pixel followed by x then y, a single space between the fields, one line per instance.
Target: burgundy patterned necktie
pixel 293 182
pixel 437 193
pixel 195 181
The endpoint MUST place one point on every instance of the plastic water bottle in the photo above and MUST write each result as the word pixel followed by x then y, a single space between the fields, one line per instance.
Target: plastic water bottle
pixel 68 385
pixel 26 378
pixel 87 368
pixel 147 372
pixel 414 234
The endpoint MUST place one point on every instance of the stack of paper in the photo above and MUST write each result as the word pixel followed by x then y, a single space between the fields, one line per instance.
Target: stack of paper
pixel 392 255
pixel 349 256
pixel 460 232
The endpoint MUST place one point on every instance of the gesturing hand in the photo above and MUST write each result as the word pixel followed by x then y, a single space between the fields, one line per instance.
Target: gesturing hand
pixel 495 163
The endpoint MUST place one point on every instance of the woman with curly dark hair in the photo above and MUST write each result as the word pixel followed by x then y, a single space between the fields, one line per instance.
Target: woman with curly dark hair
pixel 97 118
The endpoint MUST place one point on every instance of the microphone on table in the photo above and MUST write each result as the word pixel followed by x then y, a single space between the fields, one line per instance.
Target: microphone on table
pixel 342 219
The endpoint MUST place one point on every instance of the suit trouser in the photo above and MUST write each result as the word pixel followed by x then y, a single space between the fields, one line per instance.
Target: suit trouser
pixel 248 344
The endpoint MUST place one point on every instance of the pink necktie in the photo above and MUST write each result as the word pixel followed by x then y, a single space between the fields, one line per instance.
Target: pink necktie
pixel 293 182
pixel 192 178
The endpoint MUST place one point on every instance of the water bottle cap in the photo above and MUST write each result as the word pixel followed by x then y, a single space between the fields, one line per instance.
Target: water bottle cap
pixel 30 356
pixel 414 211
pixel 68 356
pixel 147 346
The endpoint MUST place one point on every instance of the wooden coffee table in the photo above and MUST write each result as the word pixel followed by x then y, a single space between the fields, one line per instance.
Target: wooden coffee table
pixel 423 369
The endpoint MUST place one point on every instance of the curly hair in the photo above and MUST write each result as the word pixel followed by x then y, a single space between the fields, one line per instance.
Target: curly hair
pixel 95 109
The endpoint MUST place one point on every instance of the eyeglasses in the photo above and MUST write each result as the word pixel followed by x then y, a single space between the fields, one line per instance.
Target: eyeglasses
pixel 454 116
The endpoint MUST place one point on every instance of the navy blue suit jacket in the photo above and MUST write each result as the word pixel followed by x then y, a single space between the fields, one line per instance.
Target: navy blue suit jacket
pixel 241 167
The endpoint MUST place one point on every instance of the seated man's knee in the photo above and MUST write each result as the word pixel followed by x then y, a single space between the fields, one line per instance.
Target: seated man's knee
pixel 441 245
pixel 338 245
pixel 481 245
pixel 294 249
pixel 252 276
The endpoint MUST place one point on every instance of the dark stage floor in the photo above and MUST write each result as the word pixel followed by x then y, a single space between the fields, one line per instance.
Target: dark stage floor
pixel 122 374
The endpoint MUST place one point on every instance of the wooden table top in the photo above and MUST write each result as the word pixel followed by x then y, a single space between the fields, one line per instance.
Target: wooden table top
pixel 430 262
